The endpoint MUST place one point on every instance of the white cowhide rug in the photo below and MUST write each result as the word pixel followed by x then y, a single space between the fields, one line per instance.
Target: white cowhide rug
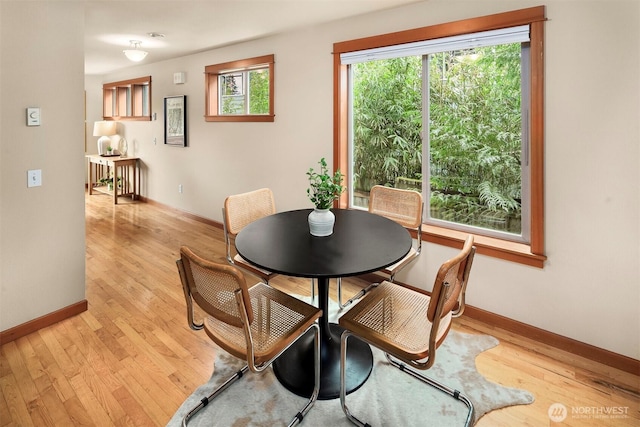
pixel 388 398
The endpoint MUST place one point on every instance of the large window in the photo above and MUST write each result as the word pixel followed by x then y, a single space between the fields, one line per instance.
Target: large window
pixel 449 116
pixel 240 90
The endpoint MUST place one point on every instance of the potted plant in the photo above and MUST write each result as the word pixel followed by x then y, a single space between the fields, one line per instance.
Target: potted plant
pixel 324 188
pixel 109 182
pixel 109 150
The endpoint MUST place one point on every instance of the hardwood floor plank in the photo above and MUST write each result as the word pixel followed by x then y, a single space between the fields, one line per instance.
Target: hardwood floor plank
pixel 4 408
pixel 57 351
pixel 135 414
pixel 131 359
pixel 90 402
pixel 98 356
pixel 31 360
pixel 146 392
pixel 16 405
pixel 78 414
pixel 51 369
pixel 50 410
pixel 20 371
pixel 39 413
pixel 144 351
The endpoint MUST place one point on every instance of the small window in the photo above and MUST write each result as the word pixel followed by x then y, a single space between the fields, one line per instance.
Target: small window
pixel 127 99
pixel 240 91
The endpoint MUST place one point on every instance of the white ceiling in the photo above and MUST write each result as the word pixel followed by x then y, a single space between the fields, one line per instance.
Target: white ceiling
pixel 191 26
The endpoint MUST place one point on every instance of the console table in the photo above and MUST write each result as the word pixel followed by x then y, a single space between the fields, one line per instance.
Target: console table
pixel 123 170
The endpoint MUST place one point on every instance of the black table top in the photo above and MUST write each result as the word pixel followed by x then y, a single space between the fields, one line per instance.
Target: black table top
pixel 361 243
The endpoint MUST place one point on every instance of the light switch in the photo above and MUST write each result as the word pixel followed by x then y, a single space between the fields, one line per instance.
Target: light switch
pixel 34 178
pixel 33 116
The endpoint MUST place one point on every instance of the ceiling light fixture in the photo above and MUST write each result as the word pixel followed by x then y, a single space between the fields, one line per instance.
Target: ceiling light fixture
pixel 135 54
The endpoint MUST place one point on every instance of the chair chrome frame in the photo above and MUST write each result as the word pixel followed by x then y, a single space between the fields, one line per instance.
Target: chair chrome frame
pixel 404 366
pixel 443 293
pixel 251 365
pixel 299 416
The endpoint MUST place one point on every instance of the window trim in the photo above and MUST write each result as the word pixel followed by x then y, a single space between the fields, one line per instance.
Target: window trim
pixel 529 254
pixel 128 99
pixel 211 89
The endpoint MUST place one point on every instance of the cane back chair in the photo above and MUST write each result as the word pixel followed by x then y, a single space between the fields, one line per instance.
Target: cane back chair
pixel 255 324
pixel 239 210
pixel 404 207
pixel 409 325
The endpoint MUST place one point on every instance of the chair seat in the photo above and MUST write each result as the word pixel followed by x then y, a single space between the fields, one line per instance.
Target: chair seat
pixel 393 268
pixel 392 316
pixel 279 320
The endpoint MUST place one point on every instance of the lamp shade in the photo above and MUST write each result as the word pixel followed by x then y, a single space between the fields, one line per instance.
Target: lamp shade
pixel 104 128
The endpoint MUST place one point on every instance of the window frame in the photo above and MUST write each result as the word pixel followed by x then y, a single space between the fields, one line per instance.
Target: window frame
pixel 212 98
pixel 124 100
pixel 525 234
pixel 531 254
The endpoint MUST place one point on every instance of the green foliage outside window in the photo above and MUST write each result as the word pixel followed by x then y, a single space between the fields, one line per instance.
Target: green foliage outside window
pixel 259 92
pixel 234 99
pixel 474 131
pixel 387 118
pixel 232 91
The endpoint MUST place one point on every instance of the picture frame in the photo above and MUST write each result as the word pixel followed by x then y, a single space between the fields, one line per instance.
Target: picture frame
pixel 175 120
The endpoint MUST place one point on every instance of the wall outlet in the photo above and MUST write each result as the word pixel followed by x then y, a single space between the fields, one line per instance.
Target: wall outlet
pixel 179 188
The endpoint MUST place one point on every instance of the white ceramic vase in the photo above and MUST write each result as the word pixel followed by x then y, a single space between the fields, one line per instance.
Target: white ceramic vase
pixel 321 222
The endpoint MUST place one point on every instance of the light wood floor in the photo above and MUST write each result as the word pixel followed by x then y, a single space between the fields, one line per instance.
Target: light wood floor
pixel 131 359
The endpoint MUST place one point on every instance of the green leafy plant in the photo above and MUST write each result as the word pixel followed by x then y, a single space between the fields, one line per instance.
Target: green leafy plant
pixel 324 188
pixel 474 136
pixel 108 181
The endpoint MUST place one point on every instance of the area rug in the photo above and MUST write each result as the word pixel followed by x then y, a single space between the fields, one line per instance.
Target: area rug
pixel 388 398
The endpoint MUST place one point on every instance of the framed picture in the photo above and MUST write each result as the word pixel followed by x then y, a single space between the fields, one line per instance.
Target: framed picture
pixel 175 120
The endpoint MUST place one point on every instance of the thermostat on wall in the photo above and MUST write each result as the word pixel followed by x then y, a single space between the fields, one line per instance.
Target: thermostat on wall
pixel 33 116
pixel 179 78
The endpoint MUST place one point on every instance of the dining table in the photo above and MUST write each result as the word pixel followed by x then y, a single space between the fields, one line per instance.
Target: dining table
pixel 361 243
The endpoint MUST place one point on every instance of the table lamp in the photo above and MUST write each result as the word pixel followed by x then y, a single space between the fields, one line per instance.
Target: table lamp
pixel 104 130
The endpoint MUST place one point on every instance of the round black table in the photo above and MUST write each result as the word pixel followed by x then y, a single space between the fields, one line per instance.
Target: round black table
pixel 361 243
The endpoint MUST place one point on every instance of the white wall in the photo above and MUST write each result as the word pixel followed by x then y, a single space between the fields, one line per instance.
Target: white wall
pixel 589 288
pixel 42 252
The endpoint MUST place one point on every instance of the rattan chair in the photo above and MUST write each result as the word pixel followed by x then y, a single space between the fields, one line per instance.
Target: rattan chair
pixel 409 325
pixel 240 210
pixel 403 206
pixel 256 324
